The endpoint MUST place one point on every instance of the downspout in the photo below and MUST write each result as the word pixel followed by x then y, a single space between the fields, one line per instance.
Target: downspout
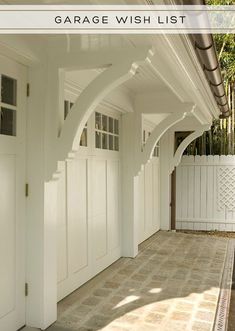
pixel 206 53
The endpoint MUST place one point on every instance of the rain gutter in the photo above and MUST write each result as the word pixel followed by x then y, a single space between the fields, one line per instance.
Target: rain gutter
pixel 207 56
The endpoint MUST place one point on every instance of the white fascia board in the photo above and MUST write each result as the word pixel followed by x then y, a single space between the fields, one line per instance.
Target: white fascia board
pixel 202 77
pixel 176 63
pixel 198 86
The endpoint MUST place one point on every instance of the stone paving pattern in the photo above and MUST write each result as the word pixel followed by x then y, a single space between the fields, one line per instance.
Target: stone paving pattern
pixel 172 285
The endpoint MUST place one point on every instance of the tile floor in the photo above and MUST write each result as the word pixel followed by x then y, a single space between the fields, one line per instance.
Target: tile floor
pixel 172 285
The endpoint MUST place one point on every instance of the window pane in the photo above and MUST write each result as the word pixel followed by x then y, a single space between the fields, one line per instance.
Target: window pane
pixel 98 139
pixel 110 124
pixel 116 143
pixel 98 121
pixel 116 127
pixel 111 142
pixel 8 90
pixel 83 140
pixel 66 108
pixel 8 122
pixel 104 141
pixel 104 123
pixel 156 150
pixel 71 105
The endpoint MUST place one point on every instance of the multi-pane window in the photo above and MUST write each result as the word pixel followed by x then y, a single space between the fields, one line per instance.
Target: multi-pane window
pixel 8 105
pixel 83 140
pixel 67 106
pixel 145 136
pixel 156 150
pixel 106 132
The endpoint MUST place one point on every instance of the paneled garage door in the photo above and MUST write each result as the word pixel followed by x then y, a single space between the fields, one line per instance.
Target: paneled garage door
pixel 12 198
pixel 89 208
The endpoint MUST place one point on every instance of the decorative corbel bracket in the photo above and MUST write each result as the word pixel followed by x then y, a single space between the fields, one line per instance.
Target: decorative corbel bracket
pixel 116 74
pixel 184 144
pixel 158 132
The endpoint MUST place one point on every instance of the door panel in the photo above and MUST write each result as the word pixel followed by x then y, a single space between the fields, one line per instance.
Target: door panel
pixel 77 214
pixel 149 200
pixel 89 222
pixel 89 234
pixel 7 234
pixel 99 208
pixel 113 204
pixel 12 199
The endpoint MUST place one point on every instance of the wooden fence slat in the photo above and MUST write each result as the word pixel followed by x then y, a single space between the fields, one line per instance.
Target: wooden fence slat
pixel 210 191
pixel 184 212
pixel 197 192
pixel 179 192
pixel 197 196
pixel 190 192
pixel 203 191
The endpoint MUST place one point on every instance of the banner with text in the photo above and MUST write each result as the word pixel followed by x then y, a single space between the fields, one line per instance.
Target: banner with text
pixel 112 19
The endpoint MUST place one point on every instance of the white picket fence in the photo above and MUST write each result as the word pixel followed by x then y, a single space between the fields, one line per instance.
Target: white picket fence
pixel 205 193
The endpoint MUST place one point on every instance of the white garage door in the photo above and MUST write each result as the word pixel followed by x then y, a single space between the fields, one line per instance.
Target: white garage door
pixel 12 198
pixel 88 202
pixel 149 199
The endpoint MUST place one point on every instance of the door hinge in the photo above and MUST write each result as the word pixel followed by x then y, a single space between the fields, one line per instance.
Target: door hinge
pixel 26 289
pixel 26 189
pixel 28 90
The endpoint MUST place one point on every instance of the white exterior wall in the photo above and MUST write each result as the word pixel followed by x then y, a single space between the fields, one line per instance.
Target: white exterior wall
pixel 205 193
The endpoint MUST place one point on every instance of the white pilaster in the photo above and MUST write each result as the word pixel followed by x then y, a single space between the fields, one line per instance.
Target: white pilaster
pixel 166 151
pixel 130 131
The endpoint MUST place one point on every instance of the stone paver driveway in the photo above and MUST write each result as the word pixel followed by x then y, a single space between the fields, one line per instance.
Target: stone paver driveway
pixel 173 284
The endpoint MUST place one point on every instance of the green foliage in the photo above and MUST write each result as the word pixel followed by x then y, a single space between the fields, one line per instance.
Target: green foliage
pixel 225 45
pixel 220 140
pixel 220 2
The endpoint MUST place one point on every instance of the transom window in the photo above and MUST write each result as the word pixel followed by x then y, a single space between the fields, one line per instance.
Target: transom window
pixel 156 150
pixel 106 132
pixel 145 135
pixel 67 106
pixel 83 140
pixel 8 105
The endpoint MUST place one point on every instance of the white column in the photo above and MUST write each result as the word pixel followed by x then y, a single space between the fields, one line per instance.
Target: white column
pixel 166 152
pixel 41 303
pixel 131 141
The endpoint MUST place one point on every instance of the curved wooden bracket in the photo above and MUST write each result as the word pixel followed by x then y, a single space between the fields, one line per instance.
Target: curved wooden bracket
pixel 157 133
pixel 184 144
pixel 112 77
